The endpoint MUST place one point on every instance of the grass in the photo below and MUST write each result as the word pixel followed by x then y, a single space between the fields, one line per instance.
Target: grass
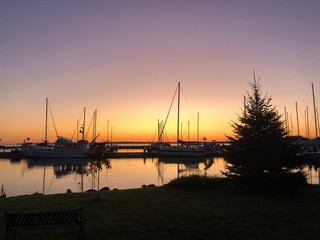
pixel 221 211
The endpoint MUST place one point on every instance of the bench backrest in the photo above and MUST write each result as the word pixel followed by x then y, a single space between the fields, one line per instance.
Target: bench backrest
pixel 49 218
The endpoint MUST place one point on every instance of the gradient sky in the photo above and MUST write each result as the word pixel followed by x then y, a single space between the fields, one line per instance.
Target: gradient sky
pixel 125 58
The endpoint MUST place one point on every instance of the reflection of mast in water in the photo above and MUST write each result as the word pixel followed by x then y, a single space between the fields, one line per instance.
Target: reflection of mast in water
pixel 160 171
pixel 190 168
pixel 44 179
pixel 310 173
pixel 191 165
pixel 61 167
pixel 92 179
pixel 81 185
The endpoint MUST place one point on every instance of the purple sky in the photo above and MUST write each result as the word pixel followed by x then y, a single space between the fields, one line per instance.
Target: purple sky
pixel 125 58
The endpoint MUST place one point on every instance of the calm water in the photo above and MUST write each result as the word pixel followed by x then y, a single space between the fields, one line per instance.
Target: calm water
pixel 56 176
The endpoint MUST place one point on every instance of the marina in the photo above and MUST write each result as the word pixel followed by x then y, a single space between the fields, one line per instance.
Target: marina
pixel 52 176
pixel 122 150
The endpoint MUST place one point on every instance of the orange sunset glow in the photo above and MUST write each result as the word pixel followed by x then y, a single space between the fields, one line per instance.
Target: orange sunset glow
pixel 125 59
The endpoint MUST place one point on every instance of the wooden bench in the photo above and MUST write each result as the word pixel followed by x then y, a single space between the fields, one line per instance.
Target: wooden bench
pixel 49 219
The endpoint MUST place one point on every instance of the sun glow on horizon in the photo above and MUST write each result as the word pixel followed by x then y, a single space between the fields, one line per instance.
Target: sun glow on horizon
pixel 125 59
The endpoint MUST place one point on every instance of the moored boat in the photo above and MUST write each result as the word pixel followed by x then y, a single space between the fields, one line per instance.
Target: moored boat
pixel 182 151
pixel 62 148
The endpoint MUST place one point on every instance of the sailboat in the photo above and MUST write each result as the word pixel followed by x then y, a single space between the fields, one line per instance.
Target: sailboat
pixel 182 149
pixel 62 148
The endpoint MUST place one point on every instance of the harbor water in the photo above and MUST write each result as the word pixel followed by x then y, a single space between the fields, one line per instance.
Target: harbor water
pixel 51 176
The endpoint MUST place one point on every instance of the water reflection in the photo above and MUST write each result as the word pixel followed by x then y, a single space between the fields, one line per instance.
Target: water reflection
pixel 49 176
pixel 313 174
pixel 61 166
pixel 189 166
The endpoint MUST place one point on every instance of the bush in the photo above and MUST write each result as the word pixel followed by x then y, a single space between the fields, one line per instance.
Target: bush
pixel 198 182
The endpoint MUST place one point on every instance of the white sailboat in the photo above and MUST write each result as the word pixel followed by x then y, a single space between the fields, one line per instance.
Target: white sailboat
pixel 182 149
pixel 62 148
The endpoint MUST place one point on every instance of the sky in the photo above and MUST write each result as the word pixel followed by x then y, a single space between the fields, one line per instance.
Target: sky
pixel 125 59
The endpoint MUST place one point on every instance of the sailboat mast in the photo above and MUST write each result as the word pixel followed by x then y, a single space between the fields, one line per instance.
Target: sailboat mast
pixel 314 109
pixel 178 113
pixel 198 129
pixel 77 130
pixel 111 135
pixel 84 123
pixel 158 130
pixel 307 119
pixel 46 127
pixel 94 128
pixel 297 119
pixel 108 131
pixel 188 131
pixel 286 120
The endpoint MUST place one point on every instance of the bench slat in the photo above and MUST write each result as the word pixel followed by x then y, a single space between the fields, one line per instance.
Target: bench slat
pixel 49 219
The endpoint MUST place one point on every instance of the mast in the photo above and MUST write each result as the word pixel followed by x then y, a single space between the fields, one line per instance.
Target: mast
pixel 111 135
pixel 77 130
pixel 291 124
pixel 108 131
pixel 46 127
pixel 84 123
pixel 198 129
pixel 94 128
pixel 286 120
pixel 288 123
pixel 307 119
pixel 297 119
pixel 158 130
pixel 178 113
pixel 314 109
pixel 161 137
pixel 188 131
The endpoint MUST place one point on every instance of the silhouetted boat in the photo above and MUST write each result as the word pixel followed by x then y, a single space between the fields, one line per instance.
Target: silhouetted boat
pixel 62 148
pixel 183 150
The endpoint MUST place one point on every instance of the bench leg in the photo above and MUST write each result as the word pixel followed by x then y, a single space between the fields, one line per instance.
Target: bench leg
pixel 11 234
pixel 81 232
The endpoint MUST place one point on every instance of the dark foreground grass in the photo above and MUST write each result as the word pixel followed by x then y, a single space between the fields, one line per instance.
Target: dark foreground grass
pixel 219 212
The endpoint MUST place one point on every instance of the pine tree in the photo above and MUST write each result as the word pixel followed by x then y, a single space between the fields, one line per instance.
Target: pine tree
pixel 260 152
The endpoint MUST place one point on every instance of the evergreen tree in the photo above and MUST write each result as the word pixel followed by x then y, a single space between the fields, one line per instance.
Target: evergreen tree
pixel 259 152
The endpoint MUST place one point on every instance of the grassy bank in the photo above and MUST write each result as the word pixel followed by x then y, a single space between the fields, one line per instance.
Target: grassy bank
pixel 221 212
